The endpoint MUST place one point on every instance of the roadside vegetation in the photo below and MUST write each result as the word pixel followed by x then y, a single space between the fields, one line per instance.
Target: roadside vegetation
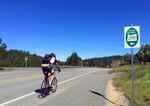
pixel 141 76
pixel 141 82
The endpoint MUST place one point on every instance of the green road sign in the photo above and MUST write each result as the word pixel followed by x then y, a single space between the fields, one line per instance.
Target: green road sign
pixel 132 37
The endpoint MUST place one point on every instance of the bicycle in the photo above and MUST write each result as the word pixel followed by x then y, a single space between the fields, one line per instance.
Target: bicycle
pixel 46 86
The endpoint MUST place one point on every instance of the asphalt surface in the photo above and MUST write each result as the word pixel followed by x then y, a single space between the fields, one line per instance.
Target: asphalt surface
pixel 76 87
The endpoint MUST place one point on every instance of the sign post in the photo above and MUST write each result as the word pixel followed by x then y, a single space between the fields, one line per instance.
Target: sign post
pixel 132 40
pixel 132 76
pixel 26 59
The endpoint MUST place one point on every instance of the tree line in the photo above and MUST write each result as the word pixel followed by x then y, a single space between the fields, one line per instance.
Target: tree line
pixel 142 57
pixel 16 58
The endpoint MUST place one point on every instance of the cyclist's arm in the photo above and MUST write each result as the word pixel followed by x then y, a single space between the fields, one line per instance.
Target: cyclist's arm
pixel 58 67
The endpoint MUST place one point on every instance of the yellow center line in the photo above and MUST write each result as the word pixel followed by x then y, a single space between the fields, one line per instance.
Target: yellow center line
pixel 20 78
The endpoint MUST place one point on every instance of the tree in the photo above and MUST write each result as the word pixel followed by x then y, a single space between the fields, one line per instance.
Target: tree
pixel 3 47
pixel 126 59
pixel 144 54
pixel 74 60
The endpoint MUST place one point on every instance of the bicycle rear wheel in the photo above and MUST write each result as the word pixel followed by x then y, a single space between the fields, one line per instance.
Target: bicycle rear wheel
pixel 44 88
pixel 54 85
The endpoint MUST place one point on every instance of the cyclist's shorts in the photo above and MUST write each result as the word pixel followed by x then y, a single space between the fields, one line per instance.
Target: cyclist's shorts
pixel 47 70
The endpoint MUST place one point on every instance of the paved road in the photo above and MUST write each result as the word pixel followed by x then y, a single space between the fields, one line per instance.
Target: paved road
pixel 76 87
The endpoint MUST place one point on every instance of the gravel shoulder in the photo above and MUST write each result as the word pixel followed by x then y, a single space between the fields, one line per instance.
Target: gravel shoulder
pixel 114 96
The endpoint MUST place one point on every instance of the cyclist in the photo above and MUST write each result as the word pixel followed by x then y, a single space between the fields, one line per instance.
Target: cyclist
pixel 49 65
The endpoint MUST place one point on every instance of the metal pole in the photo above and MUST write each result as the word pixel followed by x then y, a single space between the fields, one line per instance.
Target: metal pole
pixel 26 63
pixel 132 76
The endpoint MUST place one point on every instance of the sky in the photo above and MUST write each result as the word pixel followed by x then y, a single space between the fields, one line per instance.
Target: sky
pixel 92 28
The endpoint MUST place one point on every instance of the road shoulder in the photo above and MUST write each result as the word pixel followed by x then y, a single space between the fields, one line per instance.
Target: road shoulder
pixel 114 96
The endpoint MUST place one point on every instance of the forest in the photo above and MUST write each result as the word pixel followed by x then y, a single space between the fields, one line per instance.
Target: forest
pixel 16 58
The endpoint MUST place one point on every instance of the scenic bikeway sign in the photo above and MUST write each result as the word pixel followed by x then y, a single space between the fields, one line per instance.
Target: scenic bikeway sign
pixel 132 40
pixel 132 37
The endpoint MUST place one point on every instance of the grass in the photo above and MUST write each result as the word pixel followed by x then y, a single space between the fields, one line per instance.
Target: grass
pixel 1 69
pixel 141 83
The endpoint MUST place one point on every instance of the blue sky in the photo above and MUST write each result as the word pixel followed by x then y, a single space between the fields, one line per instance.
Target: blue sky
pixel 92 28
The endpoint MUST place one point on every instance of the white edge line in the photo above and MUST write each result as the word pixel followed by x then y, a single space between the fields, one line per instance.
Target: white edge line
pixel 34 92
pixel 17 99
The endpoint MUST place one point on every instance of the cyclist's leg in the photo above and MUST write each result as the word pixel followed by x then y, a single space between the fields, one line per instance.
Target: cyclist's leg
pixel 52 77
pixel 45 72
pixel 52 73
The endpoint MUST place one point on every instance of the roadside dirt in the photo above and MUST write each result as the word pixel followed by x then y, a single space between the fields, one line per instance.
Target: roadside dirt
pixel 114 97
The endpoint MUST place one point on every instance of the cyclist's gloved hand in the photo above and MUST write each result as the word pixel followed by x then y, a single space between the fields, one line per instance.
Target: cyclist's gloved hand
pixel 59 70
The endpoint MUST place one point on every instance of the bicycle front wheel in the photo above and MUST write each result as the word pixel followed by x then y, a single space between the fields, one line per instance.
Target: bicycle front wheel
pixel 44 88
pixel 54 85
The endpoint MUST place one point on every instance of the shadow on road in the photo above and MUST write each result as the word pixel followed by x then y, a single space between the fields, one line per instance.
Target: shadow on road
pixel 105 98
pixel 41 95
pixel 38 91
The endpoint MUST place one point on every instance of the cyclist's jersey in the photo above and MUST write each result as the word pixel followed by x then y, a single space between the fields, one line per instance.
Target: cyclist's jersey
pixel 49 59
pixel 49 64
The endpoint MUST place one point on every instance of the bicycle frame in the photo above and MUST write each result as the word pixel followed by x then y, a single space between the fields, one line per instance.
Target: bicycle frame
pixel 49 82
pixel 50 78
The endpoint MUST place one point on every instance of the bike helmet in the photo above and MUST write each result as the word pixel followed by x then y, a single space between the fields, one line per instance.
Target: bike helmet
pixel 53 55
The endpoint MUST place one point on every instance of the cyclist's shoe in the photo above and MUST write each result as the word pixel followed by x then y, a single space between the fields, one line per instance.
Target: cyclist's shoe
pixel 50 87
